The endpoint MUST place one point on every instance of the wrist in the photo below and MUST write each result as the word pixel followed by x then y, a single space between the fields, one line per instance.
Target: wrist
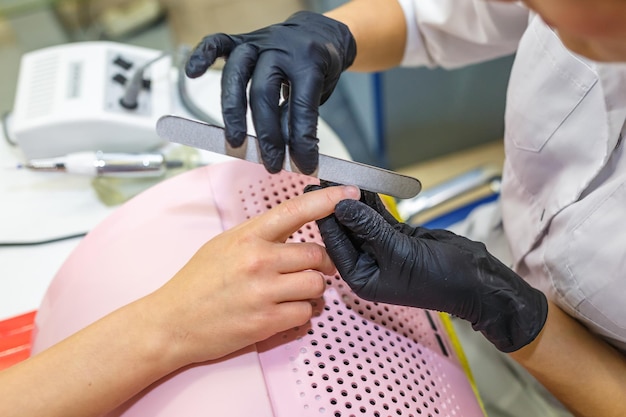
pixel 155 335
pixel 341 38
pixel 350 27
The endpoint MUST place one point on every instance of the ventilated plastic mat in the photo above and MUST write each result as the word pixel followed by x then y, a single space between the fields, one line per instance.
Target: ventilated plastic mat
pixel 357 358
pixel 354 358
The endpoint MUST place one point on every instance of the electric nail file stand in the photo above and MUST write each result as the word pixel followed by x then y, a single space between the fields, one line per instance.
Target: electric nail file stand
pixel 70 98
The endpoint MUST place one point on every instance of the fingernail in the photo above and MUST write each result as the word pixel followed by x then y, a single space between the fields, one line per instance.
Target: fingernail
pixel 352 192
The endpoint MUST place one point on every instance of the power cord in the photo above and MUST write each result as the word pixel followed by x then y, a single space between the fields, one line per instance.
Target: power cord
pixel 130 98
pixel 131 93
pixel 42 242
pixel 10 141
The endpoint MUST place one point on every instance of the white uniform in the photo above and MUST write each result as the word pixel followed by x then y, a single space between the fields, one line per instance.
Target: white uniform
pixel 564 187
pixel 563 192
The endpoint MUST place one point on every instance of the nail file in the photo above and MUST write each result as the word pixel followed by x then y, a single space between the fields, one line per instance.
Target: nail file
pixel 211 138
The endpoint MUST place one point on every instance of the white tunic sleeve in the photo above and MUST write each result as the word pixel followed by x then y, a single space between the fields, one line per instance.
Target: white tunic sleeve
pixel 454 33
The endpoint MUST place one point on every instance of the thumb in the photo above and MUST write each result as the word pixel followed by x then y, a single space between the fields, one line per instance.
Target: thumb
pixel 207 51
pixel 364 222
pixel 338 245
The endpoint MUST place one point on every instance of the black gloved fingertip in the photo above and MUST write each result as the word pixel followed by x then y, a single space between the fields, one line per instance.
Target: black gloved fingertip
pixel 273 156
pixel 309 170
pixel 196 65
pixel 236 140
pixel 273 167
pixel 347 205
pixel 307 166
pixel 312 187
pixel 191 72
pixel 326 183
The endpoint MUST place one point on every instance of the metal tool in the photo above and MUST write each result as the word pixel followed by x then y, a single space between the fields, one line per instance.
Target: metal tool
pixel 100 164
pixel 211 138
pixel 449 190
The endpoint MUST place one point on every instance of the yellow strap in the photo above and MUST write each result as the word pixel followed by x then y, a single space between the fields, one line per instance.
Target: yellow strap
pixel 458 349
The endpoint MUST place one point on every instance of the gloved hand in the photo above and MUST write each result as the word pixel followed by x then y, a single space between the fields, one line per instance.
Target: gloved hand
pixel 308 52
pixel 390 262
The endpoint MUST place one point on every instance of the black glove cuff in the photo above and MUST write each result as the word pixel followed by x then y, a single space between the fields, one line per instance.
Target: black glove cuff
pixel 343 36
pixel 512 330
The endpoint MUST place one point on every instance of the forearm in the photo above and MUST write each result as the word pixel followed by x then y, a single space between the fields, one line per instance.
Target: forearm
pixel 89 373
pixel 583 372
pixel 379 29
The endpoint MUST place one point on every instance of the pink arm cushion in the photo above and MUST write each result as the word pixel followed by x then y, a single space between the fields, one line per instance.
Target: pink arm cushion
pixel 354 357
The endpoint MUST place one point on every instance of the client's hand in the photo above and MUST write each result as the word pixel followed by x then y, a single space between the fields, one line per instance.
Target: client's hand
pixel 243 286
pixel 247 284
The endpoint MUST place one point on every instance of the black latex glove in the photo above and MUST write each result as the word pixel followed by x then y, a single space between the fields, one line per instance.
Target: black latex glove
pixel 308 52
pixel 387 261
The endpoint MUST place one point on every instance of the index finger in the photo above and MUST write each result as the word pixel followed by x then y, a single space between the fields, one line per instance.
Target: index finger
pixel 280 222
